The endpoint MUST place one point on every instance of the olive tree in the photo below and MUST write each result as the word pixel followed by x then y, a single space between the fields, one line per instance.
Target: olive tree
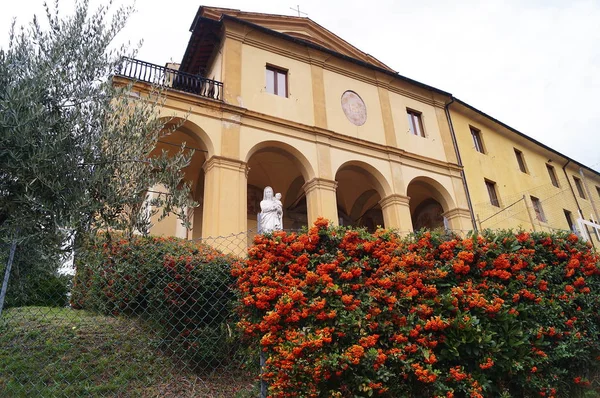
pixel 77 152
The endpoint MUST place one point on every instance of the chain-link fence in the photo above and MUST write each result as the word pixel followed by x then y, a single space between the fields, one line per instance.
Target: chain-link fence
pixel 147 316
pixel 138 317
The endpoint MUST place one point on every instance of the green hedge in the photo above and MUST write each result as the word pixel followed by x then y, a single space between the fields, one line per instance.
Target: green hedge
pixel 181 287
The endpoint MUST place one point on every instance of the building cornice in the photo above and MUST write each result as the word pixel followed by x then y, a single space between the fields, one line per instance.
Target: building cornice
pixel 188 103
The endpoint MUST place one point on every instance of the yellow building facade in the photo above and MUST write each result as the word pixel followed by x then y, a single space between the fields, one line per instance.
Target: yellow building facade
pixel 280 101
pixel 517 182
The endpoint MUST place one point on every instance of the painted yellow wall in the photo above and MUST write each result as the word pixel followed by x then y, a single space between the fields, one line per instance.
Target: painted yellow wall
pixel 432 144
pixel 168 226
pixel 297 106
pixel 332 77
pixel 499 164
pixel 335 86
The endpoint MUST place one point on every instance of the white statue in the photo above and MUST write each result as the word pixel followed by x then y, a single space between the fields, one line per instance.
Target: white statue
pixel 271 216
pixel 279 209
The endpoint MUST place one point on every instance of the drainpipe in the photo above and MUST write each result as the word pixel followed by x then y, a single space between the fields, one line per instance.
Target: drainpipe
pixel 564 168
pixel 462 170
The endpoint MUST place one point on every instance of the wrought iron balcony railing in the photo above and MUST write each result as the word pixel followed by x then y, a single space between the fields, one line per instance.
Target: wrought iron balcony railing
pixel 166 77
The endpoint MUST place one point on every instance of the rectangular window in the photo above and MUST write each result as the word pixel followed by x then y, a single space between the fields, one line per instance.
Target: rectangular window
pixel 491 188
pixel 520 160
pixel 598 190
pixel 579 187
pixel 415 124
pixel 537 206
pixel 276 81
pixel 552 175
pixel 476 134
pixel 569 218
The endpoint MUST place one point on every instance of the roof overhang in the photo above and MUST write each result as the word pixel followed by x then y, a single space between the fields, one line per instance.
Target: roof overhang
pixel 205 38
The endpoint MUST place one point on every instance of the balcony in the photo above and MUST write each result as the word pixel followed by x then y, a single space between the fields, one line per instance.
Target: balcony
pixel 137 70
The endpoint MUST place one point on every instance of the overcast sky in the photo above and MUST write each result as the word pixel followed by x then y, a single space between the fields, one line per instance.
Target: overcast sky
pixel 533 64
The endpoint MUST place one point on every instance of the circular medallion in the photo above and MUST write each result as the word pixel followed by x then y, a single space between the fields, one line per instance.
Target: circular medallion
pixel 354 108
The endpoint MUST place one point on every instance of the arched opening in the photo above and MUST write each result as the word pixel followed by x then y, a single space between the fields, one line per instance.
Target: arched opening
pixel 277 166
pixel 428 202
pixel 193 139
pixel 427 215
pixel 358 194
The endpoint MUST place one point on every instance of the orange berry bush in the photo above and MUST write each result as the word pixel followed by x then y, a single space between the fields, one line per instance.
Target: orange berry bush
pixel 341 312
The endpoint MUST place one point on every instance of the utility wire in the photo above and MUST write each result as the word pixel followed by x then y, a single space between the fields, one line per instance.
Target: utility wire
pixel 506 208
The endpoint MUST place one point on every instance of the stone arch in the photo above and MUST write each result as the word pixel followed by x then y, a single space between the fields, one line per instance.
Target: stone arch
pixel 299 160
pixel 437 190
pixel 359 192
pixel 196 140
pixel 380 183
pixel 193 131
pixel 429 202
pixel 286 170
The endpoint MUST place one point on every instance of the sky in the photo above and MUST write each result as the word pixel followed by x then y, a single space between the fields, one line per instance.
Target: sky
pixel 533 64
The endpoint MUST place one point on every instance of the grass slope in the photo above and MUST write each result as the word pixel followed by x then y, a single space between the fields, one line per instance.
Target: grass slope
pixel 60 352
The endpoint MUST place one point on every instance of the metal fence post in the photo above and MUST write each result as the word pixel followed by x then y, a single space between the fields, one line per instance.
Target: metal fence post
pixel 11 257
pixel 263 384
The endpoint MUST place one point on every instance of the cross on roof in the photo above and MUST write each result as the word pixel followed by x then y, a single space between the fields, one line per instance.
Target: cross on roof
pixel 297 9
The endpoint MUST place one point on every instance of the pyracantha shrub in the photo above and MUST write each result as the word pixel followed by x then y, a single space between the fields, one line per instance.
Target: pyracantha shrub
pixel 344 313
pixel 183 288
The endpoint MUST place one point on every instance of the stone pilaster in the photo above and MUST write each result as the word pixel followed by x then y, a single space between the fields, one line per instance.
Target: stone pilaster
pixel 459 219
pixel 225 187
pixel 321 200
pixel 396 212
